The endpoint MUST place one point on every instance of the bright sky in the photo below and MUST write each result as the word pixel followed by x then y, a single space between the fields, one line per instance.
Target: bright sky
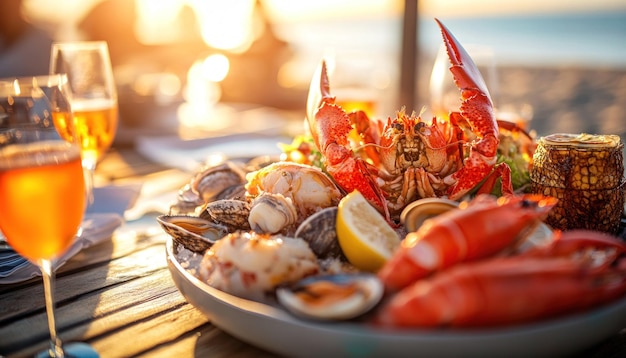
pixel 484 7
pixel 290 10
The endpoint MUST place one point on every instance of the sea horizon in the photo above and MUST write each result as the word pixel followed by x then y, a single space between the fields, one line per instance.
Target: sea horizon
pixel 595 39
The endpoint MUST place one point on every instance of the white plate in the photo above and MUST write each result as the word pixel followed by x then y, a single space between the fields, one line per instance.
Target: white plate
pixel 274 330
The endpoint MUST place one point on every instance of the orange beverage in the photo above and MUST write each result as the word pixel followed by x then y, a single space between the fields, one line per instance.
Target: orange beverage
pixel 365 105
pixel 441 114
pixel 95 123
pixel 354 99
pixel 42 197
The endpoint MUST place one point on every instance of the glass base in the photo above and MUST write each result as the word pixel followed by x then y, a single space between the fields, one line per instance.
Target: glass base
pixel 77 349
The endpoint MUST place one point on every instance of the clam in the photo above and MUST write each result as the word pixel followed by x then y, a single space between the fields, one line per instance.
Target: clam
pixel 414 214
pixel 213 180
pixel 332 297
pixel 272 213
pixel 233 192
pixel 233 214
pixel 195 233
pixel 320 232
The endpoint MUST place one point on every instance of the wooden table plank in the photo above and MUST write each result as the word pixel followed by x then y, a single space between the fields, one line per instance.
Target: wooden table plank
pixel 206 341
pixel 161 321
pixel 87 295
pixel 116 265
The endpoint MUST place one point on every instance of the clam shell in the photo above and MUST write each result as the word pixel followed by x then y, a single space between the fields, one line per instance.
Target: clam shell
pixel 195 233
pixel 231 213
pixel 272 213
pixel 213 180
pixel 233 192
pixel 320 232
pixel 414 214
pixel 332 297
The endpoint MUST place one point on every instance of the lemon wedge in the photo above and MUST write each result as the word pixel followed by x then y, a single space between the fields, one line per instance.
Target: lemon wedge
pixel 364 235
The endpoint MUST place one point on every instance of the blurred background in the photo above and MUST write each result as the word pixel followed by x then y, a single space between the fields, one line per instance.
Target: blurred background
pixel 190 62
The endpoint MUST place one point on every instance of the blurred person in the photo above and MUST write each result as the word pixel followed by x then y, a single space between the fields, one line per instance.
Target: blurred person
pixel 24 48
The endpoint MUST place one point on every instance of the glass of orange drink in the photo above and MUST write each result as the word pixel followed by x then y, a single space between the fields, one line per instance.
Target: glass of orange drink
pixel 94 99
pixel 39 169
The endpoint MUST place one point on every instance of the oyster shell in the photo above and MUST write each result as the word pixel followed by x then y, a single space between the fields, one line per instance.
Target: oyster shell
pixel 320 232
pixel 332 297
pixel 195 233
pixel 187 201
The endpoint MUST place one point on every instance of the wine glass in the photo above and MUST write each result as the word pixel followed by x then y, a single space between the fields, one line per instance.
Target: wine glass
pixel 353 80
pixel 94 102
pixel 445 97
pixel 42 185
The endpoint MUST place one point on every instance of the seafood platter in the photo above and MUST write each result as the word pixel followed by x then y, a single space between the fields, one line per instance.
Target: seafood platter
pixel 460 235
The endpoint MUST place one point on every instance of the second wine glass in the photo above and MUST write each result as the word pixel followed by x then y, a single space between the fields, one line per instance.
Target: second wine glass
pixel 94 103
pixel 444 95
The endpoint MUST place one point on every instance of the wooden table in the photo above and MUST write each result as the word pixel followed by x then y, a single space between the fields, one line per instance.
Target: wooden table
pixel 119 297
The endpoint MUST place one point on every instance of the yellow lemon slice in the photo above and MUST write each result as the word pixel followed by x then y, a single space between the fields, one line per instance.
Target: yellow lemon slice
pixel 364 235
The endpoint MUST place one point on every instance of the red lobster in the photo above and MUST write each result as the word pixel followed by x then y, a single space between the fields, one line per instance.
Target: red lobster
pixel 578 270
pixel 478 229
pixel 407 158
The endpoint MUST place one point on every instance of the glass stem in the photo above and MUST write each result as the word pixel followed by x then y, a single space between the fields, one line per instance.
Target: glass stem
pixel 89 170
pixel 48 285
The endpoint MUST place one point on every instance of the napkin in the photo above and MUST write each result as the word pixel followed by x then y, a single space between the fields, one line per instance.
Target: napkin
pixel 94 229
pixel 99 223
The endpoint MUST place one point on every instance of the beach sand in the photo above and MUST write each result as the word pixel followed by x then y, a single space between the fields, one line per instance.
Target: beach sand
pixel 568 99
pixel 562 99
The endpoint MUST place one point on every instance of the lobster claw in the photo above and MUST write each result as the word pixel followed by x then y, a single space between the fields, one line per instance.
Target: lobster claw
pixel 330 127
pixel 319 92
pixel 465 71
pixel 477 109
pixel 314 98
